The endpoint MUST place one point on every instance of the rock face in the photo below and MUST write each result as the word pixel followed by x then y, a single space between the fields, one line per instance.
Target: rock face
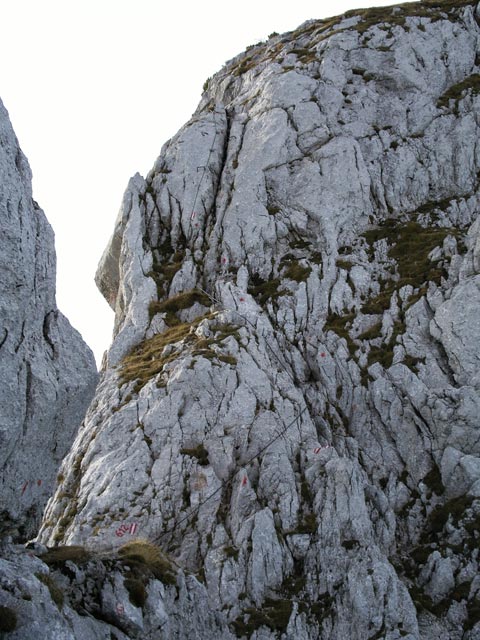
pixel 290 404
pixel 48 373
pixel 74 596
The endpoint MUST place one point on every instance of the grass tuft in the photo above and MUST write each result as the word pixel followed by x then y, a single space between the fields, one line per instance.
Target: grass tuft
pixel 459 90
pixel 409 245
pixel 275 614
pixel 136 591
pixel 295 271
pixel 147 558
pixel 179 302
pixel 199 452
pixel 148 358
pixel 340 325
pixel 264 290
pixel 57 556
pixel 55 592
pixel 396 15
pixel 231 552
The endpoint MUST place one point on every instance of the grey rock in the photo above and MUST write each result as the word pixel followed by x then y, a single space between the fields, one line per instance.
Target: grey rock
pixel 290 403
pixel 48 373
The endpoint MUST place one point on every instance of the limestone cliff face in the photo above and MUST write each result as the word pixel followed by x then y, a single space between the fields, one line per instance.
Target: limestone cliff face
pixel 48 373
pixel 290 404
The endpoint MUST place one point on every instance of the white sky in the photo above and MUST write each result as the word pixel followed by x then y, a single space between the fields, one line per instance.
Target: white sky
pixel 95 87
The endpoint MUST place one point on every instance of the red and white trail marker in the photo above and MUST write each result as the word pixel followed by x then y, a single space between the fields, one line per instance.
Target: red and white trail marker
pixel 126 528
pixel 244 481
pixel 318 449
pixel 31 483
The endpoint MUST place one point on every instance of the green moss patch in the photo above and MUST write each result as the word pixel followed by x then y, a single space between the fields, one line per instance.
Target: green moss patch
pixel 456 92
pixel 409 245
pixel 340 325
pixel 384 353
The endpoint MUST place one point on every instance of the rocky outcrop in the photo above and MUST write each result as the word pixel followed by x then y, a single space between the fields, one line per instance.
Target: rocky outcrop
pixel 48 373
pixel 290 404
pixel 76 595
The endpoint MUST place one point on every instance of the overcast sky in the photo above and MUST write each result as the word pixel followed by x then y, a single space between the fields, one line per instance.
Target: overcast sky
pixel 95 87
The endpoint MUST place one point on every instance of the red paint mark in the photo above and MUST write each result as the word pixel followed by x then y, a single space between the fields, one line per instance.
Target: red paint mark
pixel 122 530
pixel 120 609
pixel 242 299
pixel 126 528
pixel 318 449
pixel 196 224
pixel 323 354
pixel 24 488
pixel 244 481
pixel 39 483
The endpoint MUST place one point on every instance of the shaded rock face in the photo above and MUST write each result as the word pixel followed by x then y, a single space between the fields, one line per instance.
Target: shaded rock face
pixel 290 404
pixel 48 373
pixel 80 596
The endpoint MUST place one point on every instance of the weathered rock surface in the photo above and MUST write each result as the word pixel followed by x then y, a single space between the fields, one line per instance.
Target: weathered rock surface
pixel 79 596
pixel 290 404
pixel 48 373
